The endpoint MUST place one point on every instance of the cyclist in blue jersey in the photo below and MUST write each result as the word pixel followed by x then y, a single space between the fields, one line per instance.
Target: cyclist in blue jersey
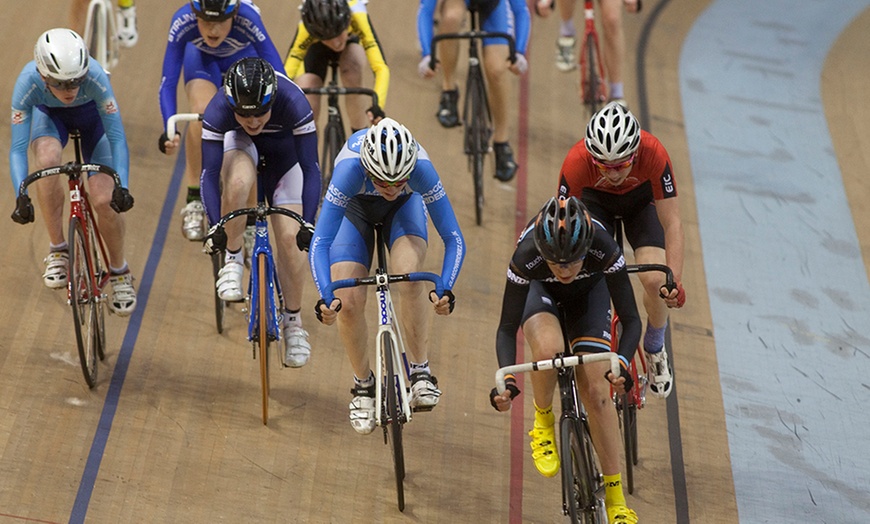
pixel 262 116
pixel 60 90
pixel 505 16
pixel 205 38
pixel 382 175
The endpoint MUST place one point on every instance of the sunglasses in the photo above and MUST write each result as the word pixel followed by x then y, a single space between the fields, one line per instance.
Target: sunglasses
pixel 617 166
pixel 65 85
pixel 385 185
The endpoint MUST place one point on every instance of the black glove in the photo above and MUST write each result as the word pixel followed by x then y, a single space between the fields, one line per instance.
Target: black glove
pixel 161 142
pixel 303 237
pixel 322 302
pixel 122 200
pixel 624 373
pixel 376 112
pixel 509 385
pixel 23 213
pixel 215 241
pixel 451 299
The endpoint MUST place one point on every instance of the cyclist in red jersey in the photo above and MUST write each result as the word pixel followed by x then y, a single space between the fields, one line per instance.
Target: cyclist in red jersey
pixel 619 170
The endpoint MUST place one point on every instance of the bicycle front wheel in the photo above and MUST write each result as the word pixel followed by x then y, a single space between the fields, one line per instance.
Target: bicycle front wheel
pixel 84 302
pixel 628 420
pixel 263 334
pixel 394 417
pixel 477 136
pixel 578 484
pixel 219 305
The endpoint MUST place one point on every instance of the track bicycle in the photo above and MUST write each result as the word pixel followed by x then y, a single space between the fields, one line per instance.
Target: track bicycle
pixel 334 134
pixel 582 481
pixel 217 257
pixel 101 33
pixel 88 259
pixel 392 391
pixel 593 87
pixel 476 114
pixel 264 301
pixel 628 404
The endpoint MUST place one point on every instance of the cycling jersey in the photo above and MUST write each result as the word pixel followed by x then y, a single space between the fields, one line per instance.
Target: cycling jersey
pixel 517 22
pixel 37 112
pixel 360 27
pixel 349 181
pixel 288 142
pixel 185 45
pixel 604 260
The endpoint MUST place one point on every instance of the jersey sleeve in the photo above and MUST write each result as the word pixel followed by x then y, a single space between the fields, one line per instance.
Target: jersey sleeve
pixel 180 33
pixel 100 90
pixel 516 289
pixel 522 22
pixel 24 98
pixel 425 25
pixel 294 63
pixel 265 47
pixel 361 25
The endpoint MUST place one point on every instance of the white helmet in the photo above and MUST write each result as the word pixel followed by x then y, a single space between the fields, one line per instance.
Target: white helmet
pixel 389 152
pixel 62 55
pixel 613 133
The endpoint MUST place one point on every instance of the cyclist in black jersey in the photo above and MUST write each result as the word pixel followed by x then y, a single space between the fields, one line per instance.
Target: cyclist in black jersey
pixel 566 266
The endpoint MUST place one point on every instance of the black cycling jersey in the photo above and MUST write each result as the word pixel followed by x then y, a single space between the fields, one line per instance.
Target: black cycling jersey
pixel 603 260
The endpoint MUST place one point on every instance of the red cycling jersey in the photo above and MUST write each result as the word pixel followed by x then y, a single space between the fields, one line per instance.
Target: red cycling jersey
pixel 651 163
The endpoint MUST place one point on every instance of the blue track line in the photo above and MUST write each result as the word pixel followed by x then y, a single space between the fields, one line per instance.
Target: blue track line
pixel 98 446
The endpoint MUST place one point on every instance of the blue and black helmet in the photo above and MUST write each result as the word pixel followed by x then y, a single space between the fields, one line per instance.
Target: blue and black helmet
pixel 215 10
pixel 563 230
pixel 250 86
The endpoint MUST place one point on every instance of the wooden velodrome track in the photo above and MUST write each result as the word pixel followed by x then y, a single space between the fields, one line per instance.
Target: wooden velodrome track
pixel 172 432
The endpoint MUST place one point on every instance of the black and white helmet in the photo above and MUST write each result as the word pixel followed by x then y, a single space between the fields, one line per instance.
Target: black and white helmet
pixel 61 55
pixel 388 152
pixel 613 133
pixel 325 19
pixel 215 10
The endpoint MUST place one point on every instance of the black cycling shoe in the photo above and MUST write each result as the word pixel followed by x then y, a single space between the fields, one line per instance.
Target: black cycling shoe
pixel 448 115
pixel 505 166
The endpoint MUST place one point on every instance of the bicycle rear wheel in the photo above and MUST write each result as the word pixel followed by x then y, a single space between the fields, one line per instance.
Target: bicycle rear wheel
pixel 217 259
pixel 578 474
pixel 263 334
pixel 394 418
pixel 477 135
pixel 593 83
pixel 84 302
pixel 332 144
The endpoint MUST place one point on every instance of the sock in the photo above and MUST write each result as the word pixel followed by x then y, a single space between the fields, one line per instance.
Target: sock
pixel 419 368
pixel 544 418
pixel 617 90
pixel 566 28
pixel 63 246
pixel 365 383
pixel 193 194
pixel 654 338
pixel 613 495
pixel 235 256
pixel 120 271
pixel 292 318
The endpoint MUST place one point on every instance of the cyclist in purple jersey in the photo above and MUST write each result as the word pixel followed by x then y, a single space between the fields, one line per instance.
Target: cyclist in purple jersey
pixel 382 175
pixel 205 38
pixel 61 90
pixel 260 115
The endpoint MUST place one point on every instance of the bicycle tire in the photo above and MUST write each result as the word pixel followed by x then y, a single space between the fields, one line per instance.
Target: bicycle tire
pixel 83 301
pixel 99 271
pixel 394 421
pixel 263 333
pixel 477 141
pixel 627 413
pixel 217 259
pixel 333 142
pixel 591 96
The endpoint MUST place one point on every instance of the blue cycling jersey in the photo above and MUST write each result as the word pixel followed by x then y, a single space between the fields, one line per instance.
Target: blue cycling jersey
pixel 349 179
pixel 31 93
pixel 509 16
pixel 247 31
pixel 289 140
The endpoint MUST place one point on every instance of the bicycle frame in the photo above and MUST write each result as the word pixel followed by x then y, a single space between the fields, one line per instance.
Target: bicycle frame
pixel 101 33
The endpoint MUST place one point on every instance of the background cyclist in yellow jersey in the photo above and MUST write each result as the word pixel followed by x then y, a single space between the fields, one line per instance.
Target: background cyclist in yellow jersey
pixel 127 34
pixel 341 30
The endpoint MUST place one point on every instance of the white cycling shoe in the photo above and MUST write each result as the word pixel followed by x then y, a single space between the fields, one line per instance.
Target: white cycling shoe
pixel 297 349
pixel 362 409
pixel 660 373
pixel 229 284
pixel 424 392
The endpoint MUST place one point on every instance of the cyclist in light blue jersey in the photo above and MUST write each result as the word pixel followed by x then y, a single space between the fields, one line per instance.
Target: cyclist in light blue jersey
pixel 205 38
pixel 383 176
pixel 261 114
pixel 504 16
pixel 63 89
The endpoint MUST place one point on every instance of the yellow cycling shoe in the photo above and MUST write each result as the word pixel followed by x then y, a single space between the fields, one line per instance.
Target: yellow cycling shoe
pixel 621 515
pixel 544 450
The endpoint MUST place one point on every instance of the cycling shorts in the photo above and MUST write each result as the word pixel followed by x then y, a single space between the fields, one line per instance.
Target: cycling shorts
pixel 637 209
pixel 355 239
pixel 319 56
pixel 56 122
pixel 199 65
pixel 282 176
pixel 586 315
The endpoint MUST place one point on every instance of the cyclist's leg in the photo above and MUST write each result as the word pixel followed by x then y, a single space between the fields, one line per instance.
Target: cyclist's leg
pixel 495 57
pixel 310 80
pixel 351 66
pixel 316 65
pixel 450 19
pixel 238 176
pixel 566 60
pixel 50 192
pixel 614 46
